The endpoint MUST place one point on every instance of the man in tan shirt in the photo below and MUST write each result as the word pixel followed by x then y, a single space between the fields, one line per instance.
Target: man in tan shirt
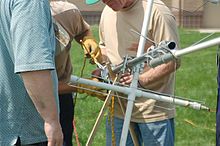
pixel 153 120
pixel 71 26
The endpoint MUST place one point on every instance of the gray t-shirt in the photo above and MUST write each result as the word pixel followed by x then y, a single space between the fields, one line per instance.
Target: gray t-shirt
pixel 26 44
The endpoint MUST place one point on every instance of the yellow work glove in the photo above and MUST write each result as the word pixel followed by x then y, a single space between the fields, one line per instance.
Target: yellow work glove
pixel 92 90
pixel 91 49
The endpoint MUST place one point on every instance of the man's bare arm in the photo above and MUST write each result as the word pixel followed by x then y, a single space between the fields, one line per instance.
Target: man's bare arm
pixel 39 86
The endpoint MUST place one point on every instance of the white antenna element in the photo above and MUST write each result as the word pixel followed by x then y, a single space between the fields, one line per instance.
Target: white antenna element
pixel 214 1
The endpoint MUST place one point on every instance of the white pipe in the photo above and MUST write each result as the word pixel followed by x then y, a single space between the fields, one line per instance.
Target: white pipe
pixel 139 93
pixel 197 47
pixel 133 86
pixel 173 54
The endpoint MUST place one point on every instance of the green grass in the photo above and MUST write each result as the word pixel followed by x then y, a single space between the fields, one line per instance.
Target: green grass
pixel 196 79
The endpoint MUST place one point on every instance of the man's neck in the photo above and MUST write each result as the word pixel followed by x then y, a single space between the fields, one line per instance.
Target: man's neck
pixel 129 3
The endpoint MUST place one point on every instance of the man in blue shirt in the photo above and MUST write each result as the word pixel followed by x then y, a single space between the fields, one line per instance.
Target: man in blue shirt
pixel 28 81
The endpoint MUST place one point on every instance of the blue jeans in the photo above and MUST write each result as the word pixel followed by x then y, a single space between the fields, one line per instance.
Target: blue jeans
pixel 66 117
pixel 160 133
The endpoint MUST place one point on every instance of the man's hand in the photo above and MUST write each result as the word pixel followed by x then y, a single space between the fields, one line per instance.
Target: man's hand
pixel 126 78
pixel 54 133
pixel 91 49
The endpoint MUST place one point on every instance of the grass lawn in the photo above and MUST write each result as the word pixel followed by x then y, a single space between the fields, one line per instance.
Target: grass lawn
pixel 196 79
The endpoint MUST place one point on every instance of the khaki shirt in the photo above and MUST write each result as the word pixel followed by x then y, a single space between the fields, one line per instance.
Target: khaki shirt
pixel 70 18
pixel 116 36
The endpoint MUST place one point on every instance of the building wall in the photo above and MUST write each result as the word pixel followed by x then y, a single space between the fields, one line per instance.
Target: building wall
pixel 83 7
pixel 188 13
pixel 211 18
pixel 91 13
pixel 192 5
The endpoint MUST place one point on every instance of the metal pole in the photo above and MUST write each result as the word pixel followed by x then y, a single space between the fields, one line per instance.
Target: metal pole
pixel 139 93
pixel 173 54
pixel 133 86
pixel 197 47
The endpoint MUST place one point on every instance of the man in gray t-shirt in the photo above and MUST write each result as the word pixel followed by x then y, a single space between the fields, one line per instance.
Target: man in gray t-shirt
pixel 28 81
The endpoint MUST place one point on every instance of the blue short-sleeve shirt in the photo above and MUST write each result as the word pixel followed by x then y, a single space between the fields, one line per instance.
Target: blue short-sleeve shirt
pixel 26 44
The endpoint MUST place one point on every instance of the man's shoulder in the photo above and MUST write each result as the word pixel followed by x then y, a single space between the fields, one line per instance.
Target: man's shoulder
pixel 61 6
pixel 161 9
